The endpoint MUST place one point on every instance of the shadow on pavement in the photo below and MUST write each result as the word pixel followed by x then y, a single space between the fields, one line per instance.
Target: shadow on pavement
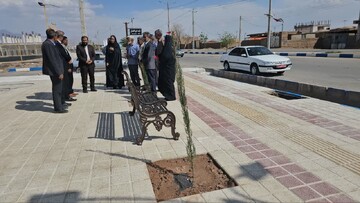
pixel 131 126
pixel 105 126
pixel 41 96
pixel 75 197
pixel 34 106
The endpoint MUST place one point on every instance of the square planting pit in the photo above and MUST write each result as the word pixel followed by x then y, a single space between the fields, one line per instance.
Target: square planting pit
pixel 174 179
pixel 286 95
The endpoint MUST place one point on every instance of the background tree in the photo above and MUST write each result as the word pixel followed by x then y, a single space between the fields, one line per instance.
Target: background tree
pixel 186 39
pixel 123 42
pixel 203 37
pixel 227 39
pixel 179 32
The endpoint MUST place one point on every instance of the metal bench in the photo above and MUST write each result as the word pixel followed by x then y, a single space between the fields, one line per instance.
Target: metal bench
pixel 151 109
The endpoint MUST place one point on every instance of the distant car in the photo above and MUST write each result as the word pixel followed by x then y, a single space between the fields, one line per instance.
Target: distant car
pixel 180 53
pixel 99 62
pixel 255 59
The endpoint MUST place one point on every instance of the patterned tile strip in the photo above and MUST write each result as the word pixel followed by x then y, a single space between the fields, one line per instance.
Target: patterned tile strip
pixel 323 148
pixel 304 184
pixel 320 121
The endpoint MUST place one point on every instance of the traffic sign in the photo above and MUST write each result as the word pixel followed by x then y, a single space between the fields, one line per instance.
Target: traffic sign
pixel 135 31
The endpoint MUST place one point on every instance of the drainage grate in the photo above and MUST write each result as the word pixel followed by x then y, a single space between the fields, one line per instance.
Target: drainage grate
pixel 286 95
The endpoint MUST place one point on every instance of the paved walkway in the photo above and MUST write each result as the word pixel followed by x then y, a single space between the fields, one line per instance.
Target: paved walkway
pixel 277 150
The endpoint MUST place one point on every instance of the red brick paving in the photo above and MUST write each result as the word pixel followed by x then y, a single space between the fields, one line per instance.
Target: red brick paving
pixel 279 166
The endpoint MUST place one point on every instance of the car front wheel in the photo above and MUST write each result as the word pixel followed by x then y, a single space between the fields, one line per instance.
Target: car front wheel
pixel 78 70
pixel 254 69
pixel 227 66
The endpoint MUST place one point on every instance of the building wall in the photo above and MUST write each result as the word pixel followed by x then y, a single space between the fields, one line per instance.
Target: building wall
pixel 18 49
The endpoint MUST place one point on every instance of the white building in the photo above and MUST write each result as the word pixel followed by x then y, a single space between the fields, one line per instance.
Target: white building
pixel 24 38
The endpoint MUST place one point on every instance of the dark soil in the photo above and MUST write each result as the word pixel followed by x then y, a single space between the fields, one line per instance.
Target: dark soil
pixel 208 177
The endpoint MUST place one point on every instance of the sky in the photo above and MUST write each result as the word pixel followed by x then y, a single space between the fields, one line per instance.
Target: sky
pixel 212 17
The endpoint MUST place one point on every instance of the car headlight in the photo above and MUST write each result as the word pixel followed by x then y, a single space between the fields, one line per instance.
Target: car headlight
pixel 288 61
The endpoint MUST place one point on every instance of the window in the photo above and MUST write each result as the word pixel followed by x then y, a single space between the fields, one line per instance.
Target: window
pixel 235 52
pixel 242 51
pixel 257 51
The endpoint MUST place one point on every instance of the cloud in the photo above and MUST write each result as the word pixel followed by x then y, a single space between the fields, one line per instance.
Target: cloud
pixel 27 15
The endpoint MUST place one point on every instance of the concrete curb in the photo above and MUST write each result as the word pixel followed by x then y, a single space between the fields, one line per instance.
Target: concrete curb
pixel 10 70
pixel 300 54
pixel 340 96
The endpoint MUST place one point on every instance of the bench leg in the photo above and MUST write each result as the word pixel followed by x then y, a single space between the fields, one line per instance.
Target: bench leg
pixel 131 113
pixel 170 120
pixel 140 139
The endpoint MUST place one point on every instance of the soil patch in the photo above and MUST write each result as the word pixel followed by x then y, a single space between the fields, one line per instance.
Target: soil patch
pixel 173 178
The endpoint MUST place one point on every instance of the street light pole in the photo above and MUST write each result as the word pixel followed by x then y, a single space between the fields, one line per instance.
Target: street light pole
pixel 82 17
pixel 240 32
pixel 269 26
pixel 168 12
pixel 46 17
pixel 193 29
pixel 43 4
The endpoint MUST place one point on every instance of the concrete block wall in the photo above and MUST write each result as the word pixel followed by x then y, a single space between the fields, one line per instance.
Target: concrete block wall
pixel 340 96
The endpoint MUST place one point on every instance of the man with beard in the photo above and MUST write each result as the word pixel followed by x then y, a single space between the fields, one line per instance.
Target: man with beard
pixel 86 56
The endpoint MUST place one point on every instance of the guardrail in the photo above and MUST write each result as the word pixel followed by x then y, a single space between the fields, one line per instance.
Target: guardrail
pixel 341 96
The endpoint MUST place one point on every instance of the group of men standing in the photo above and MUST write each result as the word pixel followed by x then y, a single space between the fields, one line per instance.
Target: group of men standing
pixel 155 54
pixel 58 64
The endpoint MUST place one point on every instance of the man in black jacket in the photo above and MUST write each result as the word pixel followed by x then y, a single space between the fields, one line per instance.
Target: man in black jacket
pixel 70 68
pixel 86 56
pixel 66 59
pixel 53 66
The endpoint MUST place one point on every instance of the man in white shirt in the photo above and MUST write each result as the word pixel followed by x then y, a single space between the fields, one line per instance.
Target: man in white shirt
pixel 86 56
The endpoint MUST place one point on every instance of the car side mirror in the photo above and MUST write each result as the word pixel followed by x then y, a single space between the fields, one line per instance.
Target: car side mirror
pixel 243 55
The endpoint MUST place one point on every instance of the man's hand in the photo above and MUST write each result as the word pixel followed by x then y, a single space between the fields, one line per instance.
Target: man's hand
pixel 61 77
pixel 89 62
pixel 111 49
pixel 69 70
pixel 70 62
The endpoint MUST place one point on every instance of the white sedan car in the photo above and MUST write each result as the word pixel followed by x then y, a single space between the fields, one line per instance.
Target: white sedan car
pixel 99 62
pixel 255 59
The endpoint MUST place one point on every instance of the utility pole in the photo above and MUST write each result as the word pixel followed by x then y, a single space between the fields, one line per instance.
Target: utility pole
pixel 193 29
pixel 82 17
pixel 46 17
pixel 132 22
pixel 269 26
pixel 240 32
pixel 358 28
pixel 168 13
pixel 126 28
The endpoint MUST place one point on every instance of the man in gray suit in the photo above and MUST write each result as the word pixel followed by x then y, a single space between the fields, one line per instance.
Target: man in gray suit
pixel 53 66
pixel 148 58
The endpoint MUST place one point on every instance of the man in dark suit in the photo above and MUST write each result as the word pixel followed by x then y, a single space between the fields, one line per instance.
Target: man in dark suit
pixel 53 66
pixel 66 58
pixel 148 58
pixel 86 56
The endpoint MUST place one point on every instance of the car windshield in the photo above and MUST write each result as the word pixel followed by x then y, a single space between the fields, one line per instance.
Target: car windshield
pixel 258 51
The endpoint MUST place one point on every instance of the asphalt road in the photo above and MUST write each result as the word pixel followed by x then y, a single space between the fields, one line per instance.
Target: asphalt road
pixel 329 72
